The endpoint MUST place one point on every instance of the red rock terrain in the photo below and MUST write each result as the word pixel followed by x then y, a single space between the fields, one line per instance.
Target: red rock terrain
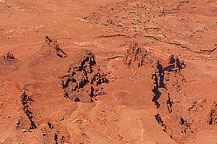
pixel 106 71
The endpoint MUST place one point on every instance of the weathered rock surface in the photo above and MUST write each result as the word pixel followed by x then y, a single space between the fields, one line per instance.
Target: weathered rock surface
pixel 83 82
pixel 159 58
pixel 136 56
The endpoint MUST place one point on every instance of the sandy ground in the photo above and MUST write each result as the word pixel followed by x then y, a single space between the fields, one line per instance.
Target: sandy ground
pixel 110 71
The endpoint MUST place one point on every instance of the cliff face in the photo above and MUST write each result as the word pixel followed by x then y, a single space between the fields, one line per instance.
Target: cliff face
pixel 108 71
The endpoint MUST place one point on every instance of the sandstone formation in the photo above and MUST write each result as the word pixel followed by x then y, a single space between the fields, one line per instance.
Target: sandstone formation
pixel 108 71
pixel 136 56
pixel 83 82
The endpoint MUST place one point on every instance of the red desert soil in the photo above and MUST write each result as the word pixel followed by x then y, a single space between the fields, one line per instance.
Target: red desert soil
pixel 108 72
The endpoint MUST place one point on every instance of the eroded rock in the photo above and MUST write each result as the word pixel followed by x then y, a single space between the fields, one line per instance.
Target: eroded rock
pixel 54 44
pixel 160 82
pixel 82 83
pixel 167 85
pixel 8 59
pixel 213 115
pixel 136 56
pixel 174 64
pixel 25 100
pixel 160 122
pixel 9 56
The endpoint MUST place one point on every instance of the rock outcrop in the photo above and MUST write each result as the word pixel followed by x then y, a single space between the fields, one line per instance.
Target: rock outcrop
pixel 25 100
pixel 8 63
pixel 160 122
pixel 213 115
pixel 83 83
pixel 136 56
pixel 174 64
pixel 8 59
pixel 168 81
pixel 54 44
